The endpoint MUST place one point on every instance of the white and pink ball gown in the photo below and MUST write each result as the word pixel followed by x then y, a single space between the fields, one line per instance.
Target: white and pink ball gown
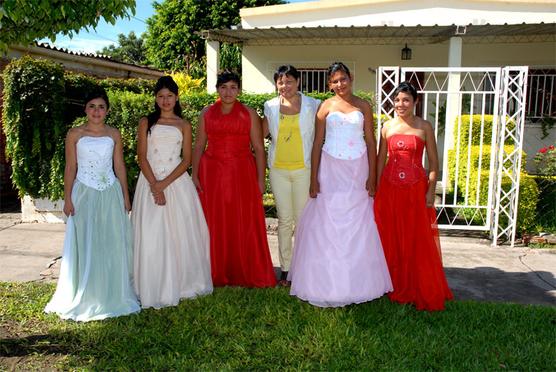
pixel 338 258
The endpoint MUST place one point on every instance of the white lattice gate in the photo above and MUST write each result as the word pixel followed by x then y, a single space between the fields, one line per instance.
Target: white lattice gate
pixel 478 116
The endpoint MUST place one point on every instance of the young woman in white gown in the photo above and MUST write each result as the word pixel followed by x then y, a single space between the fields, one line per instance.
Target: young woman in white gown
pixel 95 276
pixel 172 256
pixel 338 258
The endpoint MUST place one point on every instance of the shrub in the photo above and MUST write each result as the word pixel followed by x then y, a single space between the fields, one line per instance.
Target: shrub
pixel 472 155
pixel 33 121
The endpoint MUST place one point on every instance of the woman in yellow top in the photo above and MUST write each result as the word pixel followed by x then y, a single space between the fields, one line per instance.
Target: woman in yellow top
pixel 289 119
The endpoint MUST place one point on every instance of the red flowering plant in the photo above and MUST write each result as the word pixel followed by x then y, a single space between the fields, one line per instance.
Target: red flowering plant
pixel 545 159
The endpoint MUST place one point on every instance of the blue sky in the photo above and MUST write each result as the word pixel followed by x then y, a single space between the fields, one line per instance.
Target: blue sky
pixel 106 34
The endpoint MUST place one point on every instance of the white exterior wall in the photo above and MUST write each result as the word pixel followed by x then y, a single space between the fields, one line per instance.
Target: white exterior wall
pixel 259 62
pixel 396 13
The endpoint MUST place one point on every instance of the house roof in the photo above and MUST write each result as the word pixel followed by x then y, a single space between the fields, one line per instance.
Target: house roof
pixel 335 4
pixel 64 55
pixel 383 35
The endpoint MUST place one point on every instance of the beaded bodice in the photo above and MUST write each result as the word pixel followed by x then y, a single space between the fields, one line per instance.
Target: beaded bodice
pixel 164 145
pixel 405 153
pixel 94 162
pixel 344 135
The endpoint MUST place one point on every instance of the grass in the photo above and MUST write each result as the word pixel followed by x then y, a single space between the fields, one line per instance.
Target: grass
pixel 261 329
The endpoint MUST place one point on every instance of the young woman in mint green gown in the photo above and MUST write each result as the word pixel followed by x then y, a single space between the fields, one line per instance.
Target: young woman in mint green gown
pixel 96 273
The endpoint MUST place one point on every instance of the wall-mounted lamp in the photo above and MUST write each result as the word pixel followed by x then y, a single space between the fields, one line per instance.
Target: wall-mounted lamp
pixel 406 53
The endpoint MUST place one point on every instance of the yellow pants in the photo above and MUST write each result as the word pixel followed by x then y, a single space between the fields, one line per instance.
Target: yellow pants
pixel 291 190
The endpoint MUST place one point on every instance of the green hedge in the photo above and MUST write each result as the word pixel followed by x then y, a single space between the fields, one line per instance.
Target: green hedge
pixel 33 121
pixel 473 123
pixel 41 102
pixel 473 155
pixel 529 192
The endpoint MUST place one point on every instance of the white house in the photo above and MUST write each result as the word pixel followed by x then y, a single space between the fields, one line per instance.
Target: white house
pixel 366 34
pixel 455 51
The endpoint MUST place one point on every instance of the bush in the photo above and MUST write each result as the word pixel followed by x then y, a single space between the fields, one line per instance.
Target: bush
pixel 41 102
pixel 472 155
pixel 546 206
pixel 474 125
pixel 33 121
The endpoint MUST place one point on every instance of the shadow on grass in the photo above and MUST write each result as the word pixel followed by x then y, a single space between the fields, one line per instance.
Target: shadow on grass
pixel 261 329
pixel 41 344
pixel 494 285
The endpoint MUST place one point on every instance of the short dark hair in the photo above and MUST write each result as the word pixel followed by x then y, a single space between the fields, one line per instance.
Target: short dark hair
pixel 337 66
pixel 406 87
pixel 226 76
pixel 288 70
pixel 97 93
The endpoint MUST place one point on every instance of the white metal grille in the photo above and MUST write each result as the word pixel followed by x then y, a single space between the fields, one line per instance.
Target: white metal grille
pixel 313 80
pixel 512 108
pixel 541 94
pixel 463 105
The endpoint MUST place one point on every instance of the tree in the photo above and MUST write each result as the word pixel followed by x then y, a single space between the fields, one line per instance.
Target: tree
pixel 170 39
pixel 23 21
pixel 130 49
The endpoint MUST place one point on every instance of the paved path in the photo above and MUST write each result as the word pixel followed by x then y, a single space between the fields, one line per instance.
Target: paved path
pixel 30 252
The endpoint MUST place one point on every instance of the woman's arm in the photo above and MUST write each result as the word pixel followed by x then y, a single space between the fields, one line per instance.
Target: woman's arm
pixel 368 130
pixel 320 131
pixel 198 149
pixel 256 136
pixel 119 167
pixel 70 171
pixel 144 165
pixel 382 152
pixel 432 156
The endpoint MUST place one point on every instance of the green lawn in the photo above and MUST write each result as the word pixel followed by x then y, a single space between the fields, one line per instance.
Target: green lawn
pixel 259 329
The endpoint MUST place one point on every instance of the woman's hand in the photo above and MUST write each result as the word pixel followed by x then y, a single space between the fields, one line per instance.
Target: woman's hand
pixel 314 189
pixel 68 208
pixel 197 183
pixel 127 204
pixel 159 199
pixel 429 199
pixel 261 186
pixel 157 187
pixel 370 186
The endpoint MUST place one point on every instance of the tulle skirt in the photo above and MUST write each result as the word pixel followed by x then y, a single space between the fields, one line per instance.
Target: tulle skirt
pixel 171 245
pixel 338 258
pixel 96 271
pixel 410 239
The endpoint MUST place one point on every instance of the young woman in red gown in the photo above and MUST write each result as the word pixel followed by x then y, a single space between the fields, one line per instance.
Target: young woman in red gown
pixel 230 182
pixel 404 207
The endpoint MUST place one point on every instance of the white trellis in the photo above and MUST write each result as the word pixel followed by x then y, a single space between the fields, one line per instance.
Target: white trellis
pixel 475 112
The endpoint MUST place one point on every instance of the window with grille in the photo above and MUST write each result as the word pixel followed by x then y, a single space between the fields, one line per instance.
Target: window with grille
pixel 313 80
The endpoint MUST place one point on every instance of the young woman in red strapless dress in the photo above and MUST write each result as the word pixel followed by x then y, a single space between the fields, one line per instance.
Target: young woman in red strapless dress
pixel 230 182
pixel 404 207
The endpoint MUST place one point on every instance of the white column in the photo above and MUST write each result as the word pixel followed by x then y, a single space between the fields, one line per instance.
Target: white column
pixel 453 101
pixel 213 64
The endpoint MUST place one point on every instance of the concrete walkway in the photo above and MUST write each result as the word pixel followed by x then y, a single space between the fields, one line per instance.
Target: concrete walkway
pixel 475 271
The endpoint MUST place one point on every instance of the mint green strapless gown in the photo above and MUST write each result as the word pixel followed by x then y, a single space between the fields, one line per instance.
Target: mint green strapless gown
pixel 96 272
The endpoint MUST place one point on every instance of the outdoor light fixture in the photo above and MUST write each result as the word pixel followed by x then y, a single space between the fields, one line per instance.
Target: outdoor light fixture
pixel 406 53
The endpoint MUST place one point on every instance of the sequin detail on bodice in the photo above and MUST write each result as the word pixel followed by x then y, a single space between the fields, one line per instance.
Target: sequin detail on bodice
pixel 344 135
pixel 164 145
pixel 405 153
pixel 94 162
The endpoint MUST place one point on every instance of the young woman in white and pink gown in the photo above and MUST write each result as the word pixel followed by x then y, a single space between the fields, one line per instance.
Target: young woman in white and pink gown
pixel 338 258
pixel 171 239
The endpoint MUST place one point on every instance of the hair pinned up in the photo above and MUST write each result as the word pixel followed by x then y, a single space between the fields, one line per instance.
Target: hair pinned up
pixel 162 83
pixel 406 87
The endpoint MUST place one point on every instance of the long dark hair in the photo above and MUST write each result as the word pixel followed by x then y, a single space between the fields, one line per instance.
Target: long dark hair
pixel 168 83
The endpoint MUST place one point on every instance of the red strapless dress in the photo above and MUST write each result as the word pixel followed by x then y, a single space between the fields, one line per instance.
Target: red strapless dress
pixel 233 203
pixel 408 228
